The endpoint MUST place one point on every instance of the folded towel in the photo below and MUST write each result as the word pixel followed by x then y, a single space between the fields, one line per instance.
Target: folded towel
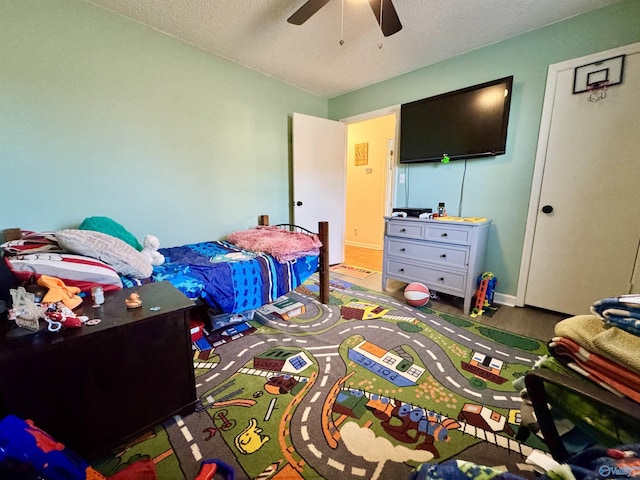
pixel 622 312
pixel 600 370
pixel 589 332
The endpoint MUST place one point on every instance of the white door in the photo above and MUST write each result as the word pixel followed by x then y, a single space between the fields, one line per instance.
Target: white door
pixel 587 215
pixel 319 178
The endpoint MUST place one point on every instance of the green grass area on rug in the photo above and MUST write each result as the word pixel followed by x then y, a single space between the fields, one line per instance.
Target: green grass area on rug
pixel 365 387
pixel 350 271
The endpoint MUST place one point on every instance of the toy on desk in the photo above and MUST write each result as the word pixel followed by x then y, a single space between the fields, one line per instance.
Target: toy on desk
pixel 445 158
pixel 59 292
pixel 25 312
pixel 133 301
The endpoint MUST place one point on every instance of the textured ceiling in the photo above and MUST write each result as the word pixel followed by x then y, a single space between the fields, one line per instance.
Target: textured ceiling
pixel 255 34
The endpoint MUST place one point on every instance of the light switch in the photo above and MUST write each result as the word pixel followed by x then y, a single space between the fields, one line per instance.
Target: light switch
pixel 369 170
pixel 401 178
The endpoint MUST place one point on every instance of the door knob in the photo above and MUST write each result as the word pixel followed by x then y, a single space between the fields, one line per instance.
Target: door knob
pixel 299 203
pixel 547 209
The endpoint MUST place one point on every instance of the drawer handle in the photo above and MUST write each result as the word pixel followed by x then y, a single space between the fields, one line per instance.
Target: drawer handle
pixel 402 249
pixel 441 279
pixel 403 229
pixel 401 270
pixel 444 234
pixel 444 255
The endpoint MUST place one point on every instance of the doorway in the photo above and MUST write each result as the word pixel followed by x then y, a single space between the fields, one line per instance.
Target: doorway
pixel 370 175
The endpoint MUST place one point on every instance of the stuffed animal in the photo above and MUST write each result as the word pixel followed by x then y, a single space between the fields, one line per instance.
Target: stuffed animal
pixel 150 247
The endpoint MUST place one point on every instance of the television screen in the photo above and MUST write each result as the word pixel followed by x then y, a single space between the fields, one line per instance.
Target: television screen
pixel 466 123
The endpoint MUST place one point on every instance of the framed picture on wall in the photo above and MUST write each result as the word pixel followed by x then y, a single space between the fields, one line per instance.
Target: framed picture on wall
pixel 362 154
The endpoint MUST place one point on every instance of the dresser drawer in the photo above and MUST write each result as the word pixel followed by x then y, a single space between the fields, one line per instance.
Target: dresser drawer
pixel 437 279
pixel 449 234
pixel 432 252
pixel 405 229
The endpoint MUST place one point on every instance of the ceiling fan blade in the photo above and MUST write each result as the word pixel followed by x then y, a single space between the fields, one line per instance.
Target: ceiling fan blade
pixel 306 11
pixel 390 21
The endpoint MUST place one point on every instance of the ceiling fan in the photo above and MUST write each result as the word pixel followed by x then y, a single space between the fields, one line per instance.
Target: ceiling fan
pixel 390 22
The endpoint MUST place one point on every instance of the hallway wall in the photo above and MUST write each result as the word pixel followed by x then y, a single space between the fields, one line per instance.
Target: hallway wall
pixel 366 184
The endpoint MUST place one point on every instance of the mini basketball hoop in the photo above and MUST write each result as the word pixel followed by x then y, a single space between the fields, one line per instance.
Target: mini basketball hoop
pixel 597 91
pixel 595 78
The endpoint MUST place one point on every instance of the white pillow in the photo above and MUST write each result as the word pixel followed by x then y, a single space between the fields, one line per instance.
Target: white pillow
pixel 125 259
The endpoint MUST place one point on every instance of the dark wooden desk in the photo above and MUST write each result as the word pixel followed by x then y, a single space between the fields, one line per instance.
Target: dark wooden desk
pixel 93 387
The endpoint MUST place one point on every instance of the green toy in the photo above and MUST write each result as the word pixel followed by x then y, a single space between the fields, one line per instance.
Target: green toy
pixel 445 158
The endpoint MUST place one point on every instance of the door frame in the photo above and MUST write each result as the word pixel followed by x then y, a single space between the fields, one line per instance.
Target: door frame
pixel 541 154
pixel 391 171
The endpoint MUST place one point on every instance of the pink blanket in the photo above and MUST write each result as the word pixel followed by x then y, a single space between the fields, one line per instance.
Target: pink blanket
pixel 281 244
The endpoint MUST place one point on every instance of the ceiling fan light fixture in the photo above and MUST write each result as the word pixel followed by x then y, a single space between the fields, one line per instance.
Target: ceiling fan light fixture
pixel 389 26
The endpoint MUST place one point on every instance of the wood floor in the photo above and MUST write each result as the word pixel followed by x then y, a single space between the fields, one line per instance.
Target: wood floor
pixel 528 321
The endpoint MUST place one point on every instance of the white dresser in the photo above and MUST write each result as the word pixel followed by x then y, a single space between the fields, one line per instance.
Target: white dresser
pixel 445 255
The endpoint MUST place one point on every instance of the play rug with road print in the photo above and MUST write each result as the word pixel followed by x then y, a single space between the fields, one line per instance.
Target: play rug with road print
pixel 364 388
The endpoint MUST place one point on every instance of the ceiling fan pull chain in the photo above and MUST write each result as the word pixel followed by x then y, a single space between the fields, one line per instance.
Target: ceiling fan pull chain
pixel 380 32
pixel 342 25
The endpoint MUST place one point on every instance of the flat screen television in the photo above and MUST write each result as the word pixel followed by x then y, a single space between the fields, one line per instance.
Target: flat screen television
pixel 466 123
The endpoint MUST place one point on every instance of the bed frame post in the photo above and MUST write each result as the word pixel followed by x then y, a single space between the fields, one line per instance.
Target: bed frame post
pixel 323 234
pixel 263 220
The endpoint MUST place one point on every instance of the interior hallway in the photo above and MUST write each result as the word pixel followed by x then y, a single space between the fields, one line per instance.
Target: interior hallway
pixel 528 321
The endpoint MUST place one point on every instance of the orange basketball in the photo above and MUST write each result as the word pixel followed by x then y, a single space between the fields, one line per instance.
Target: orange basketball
pixel 416 294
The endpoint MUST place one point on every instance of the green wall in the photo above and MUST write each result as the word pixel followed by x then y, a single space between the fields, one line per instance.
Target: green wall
pixel 100 115
pixel 497 187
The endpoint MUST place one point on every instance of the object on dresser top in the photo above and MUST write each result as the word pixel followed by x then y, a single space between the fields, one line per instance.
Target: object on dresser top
pixel 462 219
pixel 410 211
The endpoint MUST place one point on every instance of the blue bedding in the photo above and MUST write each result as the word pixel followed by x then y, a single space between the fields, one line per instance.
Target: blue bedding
pixel 229 279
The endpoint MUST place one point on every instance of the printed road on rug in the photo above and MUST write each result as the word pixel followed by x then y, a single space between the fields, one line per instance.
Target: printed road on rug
pixel 364 388
pixel 349 271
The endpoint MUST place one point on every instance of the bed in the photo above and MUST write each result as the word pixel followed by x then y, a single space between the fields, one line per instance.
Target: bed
pixel 226 277
pixel 234 276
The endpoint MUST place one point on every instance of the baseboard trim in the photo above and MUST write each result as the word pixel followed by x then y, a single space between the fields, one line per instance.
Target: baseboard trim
pixel 504 299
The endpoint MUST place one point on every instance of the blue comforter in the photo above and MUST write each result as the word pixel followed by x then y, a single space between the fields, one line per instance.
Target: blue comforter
pixel 230 279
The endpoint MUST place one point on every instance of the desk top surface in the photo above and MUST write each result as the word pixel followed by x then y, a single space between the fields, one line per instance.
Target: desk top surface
pixel 157 299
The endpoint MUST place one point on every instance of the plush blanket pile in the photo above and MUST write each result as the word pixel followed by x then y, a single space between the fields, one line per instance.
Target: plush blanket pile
pixel 284 245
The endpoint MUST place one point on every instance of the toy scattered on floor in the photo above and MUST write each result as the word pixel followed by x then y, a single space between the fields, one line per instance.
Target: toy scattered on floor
pixel 484 294
pixel 150 247
pixel 59 292
pixel 133 301
pixel 209 468
pixel 416 294
pixel 26 446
